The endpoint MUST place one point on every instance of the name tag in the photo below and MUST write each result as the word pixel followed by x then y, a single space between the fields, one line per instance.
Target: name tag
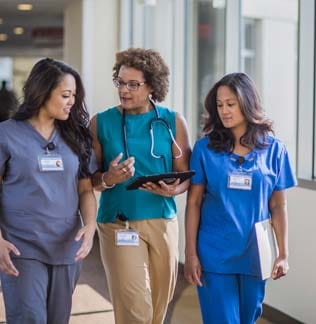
pixel 126 238
pixel 50 162
pixel 240 180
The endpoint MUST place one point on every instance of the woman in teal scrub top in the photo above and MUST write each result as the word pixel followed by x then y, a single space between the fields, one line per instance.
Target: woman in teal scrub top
pixel 138 229
pixel 242 172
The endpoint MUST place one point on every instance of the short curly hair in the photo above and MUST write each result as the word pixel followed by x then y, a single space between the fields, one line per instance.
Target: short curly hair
pixel 153 66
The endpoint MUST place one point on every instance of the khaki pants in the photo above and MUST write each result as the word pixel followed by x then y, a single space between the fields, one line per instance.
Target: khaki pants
pixel 141 279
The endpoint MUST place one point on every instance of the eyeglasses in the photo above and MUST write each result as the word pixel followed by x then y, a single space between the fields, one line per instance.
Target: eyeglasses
pixel 131 85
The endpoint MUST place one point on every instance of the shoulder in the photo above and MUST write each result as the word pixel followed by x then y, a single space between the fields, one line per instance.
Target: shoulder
pixel 201 145
pixel 274 144
pixel 107 112
pixel 10 130
pixel 9 125
pixel 202 142
pixel 102 117
pixel 165 111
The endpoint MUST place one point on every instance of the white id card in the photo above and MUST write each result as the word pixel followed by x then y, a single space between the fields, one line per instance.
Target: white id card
pixel 50 162
pixel 126 238
pixel 240 180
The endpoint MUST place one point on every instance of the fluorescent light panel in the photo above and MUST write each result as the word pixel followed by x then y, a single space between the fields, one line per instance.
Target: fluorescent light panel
pixel 18 30
pixel 3 37
pixel 25 6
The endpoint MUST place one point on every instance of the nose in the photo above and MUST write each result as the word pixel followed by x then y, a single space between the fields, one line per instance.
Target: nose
pixel 71 100
pixel 225 109
pixel 123 88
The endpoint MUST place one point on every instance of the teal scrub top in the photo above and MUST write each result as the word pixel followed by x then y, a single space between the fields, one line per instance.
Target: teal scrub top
pixel 136 204
pixel 226 237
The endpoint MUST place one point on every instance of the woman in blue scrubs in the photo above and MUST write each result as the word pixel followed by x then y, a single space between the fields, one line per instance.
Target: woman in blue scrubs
pixel 47 202
pixel 242 172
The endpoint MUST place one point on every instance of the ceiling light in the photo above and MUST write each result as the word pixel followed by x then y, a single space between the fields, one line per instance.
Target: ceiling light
pixel 3 37
pixel 18 30
pixel 25 6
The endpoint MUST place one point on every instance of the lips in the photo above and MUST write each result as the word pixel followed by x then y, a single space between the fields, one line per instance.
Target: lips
pixel 226 120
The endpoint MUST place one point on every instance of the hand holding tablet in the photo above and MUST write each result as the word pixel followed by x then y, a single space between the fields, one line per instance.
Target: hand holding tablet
pixel 168 178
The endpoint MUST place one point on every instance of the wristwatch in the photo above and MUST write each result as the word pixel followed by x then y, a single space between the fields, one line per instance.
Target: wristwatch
pixel 103 183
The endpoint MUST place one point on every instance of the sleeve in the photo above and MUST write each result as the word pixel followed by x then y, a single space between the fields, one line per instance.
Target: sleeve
pixel 286 177
pixel 93 165
pixel 196 164
pixel 4 152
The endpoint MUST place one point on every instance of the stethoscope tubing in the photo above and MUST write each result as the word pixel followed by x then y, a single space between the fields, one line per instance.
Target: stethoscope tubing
pixel 156 119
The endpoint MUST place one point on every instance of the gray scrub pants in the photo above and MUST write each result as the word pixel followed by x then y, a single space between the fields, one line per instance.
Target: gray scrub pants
pixel 41 294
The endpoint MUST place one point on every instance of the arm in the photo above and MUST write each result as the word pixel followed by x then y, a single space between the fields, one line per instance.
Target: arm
pixel 179 164
pixel 88 207
pixel 182 163
pixel 192 267
pixel 117 172
pixel 278 210
pixel 6 264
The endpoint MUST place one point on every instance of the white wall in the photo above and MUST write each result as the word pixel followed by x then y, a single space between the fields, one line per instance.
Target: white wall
pixel 277 43
pixel 73 34
pixel 91 41
pixel 295 294
pixel 279 78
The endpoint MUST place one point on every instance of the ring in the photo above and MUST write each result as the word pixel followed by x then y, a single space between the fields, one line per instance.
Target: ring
pixel 124 170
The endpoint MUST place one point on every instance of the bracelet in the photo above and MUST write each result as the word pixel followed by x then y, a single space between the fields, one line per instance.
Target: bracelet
pixel 103 183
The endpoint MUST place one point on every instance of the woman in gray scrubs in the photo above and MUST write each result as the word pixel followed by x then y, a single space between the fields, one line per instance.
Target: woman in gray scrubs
pixel 48 206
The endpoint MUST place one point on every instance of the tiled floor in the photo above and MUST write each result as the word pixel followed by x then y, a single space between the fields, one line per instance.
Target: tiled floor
pixel 91 299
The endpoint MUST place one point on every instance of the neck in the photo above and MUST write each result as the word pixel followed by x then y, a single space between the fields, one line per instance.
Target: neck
pixel 238 148
pixel 138 110
pixel 45 126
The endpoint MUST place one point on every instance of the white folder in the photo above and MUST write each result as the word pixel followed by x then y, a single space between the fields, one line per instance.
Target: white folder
pixel 267 246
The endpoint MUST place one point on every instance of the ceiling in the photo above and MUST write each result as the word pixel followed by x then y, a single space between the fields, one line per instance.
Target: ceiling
pixel 43 26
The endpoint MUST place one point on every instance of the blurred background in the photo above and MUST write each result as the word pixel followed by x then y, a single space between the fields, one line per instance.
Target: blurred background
pixel 271 40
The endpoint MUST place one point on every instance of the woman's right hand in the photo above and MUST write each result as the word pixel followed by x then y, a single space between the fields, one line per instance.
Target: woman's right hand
pixel 6 264
pixel 120 171
pixel 193 270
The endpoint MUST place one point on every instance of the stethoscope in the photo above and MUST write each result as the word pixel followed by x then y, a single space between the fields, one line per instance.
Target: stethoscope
pixel 156 119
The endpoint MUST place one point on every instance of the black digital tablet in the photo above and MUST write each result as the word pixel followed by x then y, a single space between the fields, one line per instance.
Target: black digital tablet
pixel 168 178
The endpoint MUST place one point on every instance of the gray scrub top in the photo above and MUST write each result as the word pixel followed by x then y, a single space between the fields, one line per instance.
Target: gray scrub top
pixel 40 209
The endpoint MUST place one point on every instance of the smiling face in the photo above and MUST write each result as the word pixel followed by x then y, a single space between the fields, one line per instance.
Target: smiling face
pixel 61 99
pixel 137 101
pixel 229 111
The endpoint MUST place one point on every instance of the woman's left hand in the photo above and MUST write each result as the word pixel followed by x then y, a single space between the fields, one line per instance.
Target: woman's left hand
pixel 85 234
pixel 161 188
pixel 280 268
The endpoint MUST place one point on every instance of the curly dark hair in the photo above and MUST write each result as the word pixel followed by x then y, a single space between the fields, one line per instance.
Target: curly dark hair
pixel 221 139
pixel 150 62
pixel 44 77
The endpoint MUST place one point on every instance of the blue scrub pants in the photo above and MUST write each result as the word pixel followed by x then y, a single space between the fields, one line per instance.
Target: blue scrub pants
pixel 230 298
pixel 41 294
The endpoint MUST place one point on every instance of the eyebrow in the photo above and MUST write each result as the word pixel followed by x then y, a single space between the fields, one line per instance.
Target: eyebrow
pixel 129 80
pixel 229 99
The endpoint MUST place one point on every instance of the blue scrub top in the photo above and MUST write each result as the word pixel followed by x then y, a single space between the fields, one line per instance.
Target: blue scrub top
pixel 40 209
pixel 226 238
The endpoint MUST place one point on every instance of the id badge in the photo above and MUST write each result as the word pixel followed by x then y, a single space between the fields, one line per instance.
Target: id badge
pixel 50 162
pixel 240 180
pixel 126 238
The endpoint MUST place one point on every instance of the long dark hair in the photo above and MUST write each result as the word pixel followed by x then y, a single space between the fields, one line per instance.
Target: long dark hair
pixel 44 77
pixel 258 126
